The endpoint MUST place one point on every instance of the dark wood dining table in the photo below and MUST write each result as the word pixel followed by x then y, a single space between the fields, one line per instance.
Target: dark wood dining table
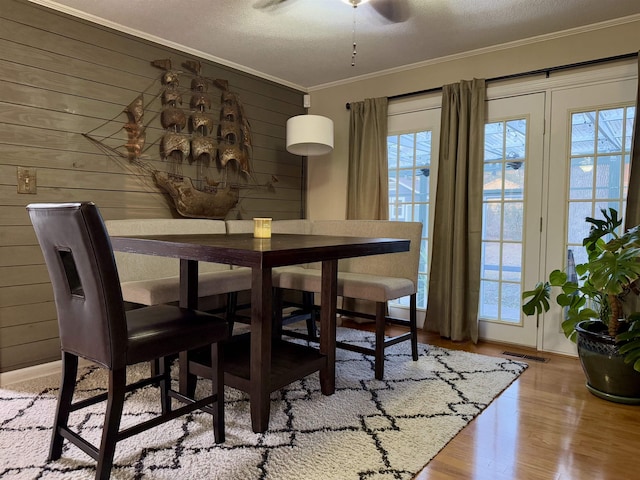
pixel 267 365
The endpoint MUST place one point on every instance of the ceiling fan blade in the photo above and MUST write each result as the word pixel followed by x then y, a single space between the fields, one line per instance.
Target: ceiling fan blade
pixel 395 11
pixel 267 3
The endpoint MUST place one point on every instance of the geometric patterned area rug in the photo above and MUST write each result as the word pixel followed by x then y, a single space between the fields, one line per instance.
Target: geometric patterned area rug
pixel 368 429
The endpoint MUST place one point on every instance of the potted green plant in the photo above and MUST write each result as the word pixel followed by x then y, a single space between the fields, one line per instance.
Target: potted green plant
pixel 600 308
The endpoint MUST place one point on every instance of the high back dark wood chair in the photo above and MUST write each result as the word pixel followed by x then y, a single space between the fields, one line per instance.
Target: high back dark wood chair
pixel 94 325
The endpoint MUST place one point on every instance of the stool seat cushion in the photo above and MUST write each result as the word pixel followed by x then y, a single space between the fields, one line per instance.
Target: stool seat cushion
pixel 162 330
pixel 166 290
pixel 351 285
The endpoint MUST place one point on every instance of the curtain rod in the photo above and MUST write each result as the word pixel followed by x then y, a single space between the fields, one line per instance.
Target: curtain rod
pixel 546 71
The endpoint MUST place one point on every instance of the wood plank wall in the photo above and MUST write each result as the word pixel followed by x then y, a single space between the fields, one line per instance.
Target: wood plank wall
pixel 60 77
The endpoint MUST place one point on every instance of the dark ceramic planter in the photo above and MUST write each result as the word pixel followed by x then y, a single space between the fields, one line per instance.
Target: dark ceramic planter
pixel 607 375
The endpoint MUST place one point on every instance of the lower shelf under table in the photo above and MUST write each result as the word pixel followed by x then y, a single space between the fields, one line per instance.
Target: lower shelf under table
pixel 289 362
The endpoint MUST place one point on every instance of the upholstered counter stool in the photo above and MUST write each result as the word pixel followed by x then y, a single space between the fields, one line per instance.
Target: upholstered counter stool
pixel 94 325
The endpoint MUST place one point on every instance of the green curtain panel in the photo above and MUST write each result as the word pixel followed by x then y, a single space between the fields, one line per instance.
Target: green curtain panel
pixel 632 215
pixel 454 280
pixel 368 184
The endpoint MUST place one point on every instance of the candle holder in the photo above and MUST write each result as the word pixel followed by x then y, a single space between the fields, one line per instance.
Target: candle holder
pixel 262 227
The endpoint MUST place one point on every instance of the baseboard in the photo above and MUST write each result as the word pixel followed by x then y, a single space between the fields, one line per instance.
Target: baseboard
pixel 35 371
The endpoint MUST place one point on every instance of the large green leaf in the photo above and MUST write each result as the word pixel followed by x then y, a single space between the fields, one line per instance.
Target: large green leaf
pixel 582 268
pixel 612 272
pixel 601 228
pixel 630 239
pixel 557 278
pixel 563 300
pixel 573 301
pixel 573 317
pixel 631 338
pixel 631 353
pixel 539 299
pixel 570 288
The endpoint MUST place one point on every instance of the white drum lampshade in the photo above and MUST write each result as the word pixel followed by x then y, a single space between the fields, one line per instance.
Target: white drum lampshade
pixel 309 135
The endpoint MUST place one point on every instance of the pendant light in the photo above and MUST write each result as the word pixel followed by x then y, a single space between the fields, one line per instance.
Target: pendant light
pixel 309 135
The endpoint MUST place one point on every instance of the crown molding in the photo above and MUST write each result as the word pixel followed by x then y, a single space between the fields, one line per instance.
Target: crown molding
pixel 161 41
pixel 483 51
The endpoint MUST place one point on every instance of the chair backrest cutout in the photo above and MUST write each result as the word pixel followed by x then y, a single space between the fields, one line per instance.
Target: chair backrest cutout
pixel 71 271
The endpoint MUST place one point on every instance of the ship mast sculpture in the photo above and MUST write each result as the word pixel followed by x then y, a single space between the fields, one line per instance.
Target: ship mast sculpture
pixel 189 137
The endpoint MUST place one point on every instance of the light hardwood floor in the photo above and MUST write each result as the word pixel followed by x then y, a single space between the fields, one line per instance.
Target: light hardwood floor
pixel 545 425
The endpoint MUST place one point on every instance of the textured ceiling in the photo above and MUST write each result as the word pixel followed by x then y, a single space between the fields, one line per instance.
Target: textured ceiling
pixel 308 43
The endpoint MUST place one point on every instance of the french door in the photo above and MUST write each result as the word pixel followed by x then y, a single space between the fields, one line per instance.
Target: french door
pixel 512 202
pixel 590 143
pixel 538 188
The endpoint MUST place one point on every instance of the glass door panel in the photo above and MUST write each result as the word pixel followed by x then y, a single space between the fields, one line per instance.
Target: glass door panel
pixel 590 143
pixel 412 153
pixel 511 210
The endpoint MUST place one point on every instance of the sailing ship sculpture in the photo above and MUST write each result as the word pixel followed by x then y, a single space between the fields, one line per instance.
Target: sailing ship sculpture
pixel 188 136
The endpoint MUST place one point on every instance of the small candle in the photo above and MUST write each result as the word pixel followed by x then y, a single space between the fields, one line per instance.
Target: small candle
pixel 262 227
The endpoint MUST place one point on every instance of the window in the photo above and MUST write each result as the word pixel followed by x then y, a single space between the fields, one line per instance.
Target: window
pixel 409 156
pixel 505 162
pixel 599 166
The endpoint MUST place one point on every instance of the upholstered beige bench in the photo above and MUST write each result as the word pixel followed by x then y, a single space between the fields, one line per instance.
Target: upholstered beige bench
pixel 376 279
pixel 150 280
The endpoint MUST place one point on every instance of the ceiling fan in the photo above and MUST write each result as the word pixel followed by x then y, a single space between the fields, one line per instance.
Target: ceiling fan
pixel 394 11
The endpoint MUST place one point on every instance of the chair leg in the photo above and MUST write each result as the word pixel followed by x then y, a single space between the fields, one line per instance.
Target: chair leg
pixel 230 313
pixel 381 314
pixel 413 326
pixel 307 301
pixel 277 305
pixel 164 369
pixel 187 380
pixel 217 386
pixel 67 387
pixel 115 403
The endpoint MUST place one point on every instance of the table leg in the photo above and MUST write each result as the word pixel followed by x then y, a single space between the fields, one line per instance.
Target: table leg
pixel 261 327
pixel 188 299
pixel 188 283
pixel 328 297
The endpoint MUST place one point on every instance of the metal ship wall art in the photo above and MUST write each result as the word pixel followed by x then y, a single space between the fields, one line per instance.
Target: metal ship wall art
pixel 170 129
